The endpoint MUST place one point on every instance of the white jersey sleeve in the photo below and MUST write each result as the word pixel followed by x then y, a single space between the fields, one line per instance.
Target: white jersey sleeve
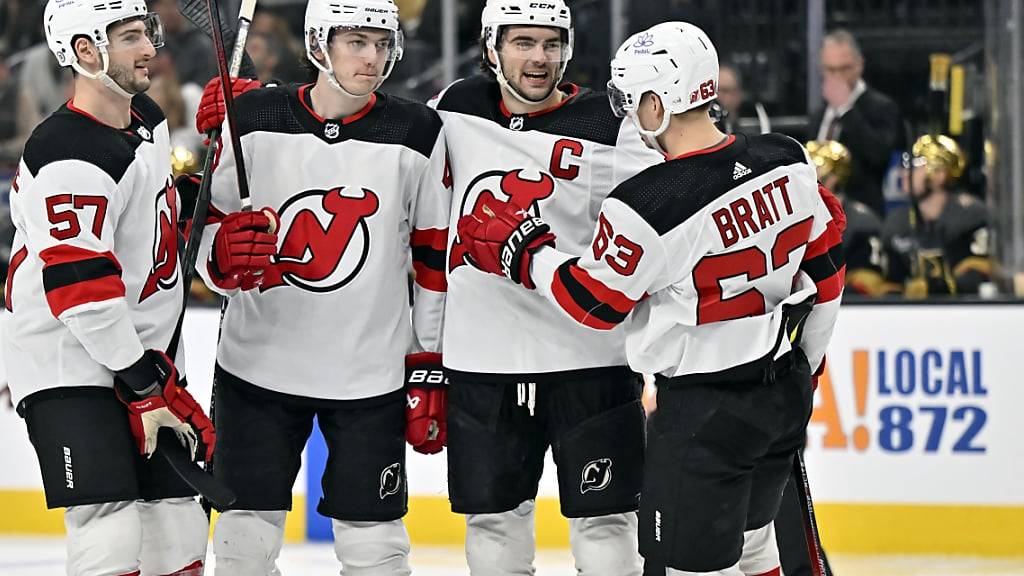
pixel 625 263
pixel 73 234
pixel 823 265
pixel 703 258
pixel 428 240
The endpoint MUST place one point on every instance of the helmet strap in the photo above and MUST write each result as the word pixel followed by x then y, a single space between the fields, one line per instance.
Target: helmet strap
pixel 327 67
pixel 650 137
pixel 102 75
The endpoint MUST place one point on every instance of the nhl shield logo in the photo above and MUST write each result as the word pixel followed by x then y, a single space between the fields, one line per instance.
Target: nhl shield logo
pixel 332 130
pixel 516 123
pixel 144 133
pixel 597 475
pixel 391 480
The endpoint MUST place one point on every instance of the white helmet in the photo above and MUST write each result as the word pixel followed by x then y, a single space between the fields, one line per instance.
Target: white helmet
pixel 63 20
pixel 550 13
pixel 322 16
pixel 676 61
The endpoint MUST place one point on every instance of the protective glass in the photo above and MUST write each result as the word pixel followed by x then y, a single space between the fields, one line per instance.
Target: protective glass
pixel 618 101
pixel 368 43
pixel 553 50
pixel 132 37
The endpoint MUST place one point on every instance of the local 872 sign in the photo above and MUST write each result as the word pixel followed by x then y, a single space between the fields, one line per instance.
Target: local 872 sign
pixel 931 401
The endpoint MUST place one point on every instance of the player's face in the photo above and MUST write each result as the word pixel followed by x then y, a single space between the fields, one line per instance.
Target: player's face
pixel 530 58
pixel 359 56
pixel 130 50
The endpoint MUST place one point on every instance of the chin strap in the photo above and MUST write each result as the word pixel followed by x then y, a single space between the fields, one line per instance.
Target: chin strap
pixel 503 81
pixel 103 77
pixel 650 137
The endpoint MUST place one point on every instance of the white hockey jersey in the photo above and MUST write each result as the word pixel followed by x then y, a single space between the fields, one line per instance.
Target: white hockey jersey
pixel 94 276
pixel 701 255
pixel 559 164
pixel 356 197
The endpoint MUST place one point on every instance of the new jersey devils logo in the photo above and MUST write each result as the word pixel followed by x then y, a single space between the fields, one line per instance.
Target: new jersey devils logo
pixel 325 239
pixel 390 480
pixel 597 475
pixel 164 274
pixel 517 187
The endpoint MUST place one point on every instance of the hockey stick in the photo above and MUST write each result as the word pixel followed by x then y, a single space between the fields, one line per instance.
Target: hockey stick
pixel 212 490
pixel 214 493
pixel 803 493
pixel 209 22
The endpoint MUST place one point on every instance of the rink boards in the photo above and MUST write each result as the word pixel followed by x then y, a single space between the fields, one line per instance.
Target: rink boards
pixel 914 446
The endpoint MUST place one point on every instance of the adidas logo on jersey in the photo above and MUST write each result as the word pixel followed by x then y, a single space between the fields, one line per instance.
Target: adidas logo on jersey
pixel 739 171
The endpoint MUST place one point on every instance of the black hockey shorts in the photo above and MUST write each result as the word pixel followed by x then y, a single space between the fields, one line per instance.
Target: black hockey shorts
pixel 261 435
pixel 86 451
pixel 718 457
pixel 592 419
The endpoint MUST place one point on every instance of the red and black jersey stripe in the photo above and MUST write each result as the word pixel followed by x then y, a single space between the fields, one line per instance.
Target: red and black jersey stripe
pixel 589 301
pixel 428 258
pixel 825 264
pixel 74 276
pixel 16 261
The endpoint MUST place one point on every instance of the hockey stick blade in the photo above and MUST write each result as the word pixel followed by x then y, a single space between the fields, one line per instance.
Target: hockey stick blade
pixel 212 490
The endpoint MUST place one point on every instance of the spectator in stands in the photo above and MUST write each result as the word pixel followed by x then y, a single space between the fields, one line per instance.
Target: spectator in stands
pixel 732 100
pixel 190 49
pixel 940 242
pixel 864 120
pixel 266 53
pixel 19 24
pixel 279 39
pixel 178 103
pixel 45 82
pixel 862 239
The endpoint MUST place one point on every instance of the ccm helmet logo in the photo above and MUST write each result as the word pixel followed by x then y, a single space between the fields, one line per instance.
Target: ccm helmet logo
pixel 542 6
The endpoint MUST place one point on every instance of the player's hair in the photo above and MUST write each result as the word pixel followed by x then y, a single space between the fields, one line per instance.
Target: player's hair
pixel 844 36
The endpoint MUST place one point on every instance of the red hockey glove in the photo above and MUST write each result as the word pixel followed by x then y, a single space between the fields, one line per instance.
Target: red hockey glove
pixel 426 406
pixel 150 390
pixel 817 374
pixel 504 241
pixel 211 106
pixel 242 246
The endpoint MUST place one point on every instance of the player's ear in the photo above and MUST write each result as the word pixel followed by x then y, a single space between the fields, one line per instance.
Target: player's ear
pixel 86 51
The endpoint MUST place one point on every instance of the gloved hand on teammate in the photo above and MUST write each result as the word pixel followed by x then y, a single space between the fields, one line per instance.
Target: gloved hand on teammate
pixel 426 406
pixel 242 247
pixel 211 107
pixel 150 390
pixel 503 238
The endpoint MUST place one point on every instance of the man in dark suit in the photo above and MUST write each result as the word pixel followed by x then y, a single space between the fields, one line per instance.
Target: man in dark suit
pixel 864 120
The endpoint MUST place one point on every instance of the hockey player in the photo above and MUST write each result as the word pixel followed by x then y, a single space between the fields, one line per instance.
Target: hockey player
pixel 94 295
pixel 713 260
pixel 516 133
pixel 357 177
pixel 939 244
pixel 862 239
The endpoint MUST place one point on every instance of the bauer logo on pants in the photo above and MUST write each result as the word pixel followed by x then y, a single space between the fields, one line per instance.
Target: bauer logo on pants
pixel 597 475
pixel 391 480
